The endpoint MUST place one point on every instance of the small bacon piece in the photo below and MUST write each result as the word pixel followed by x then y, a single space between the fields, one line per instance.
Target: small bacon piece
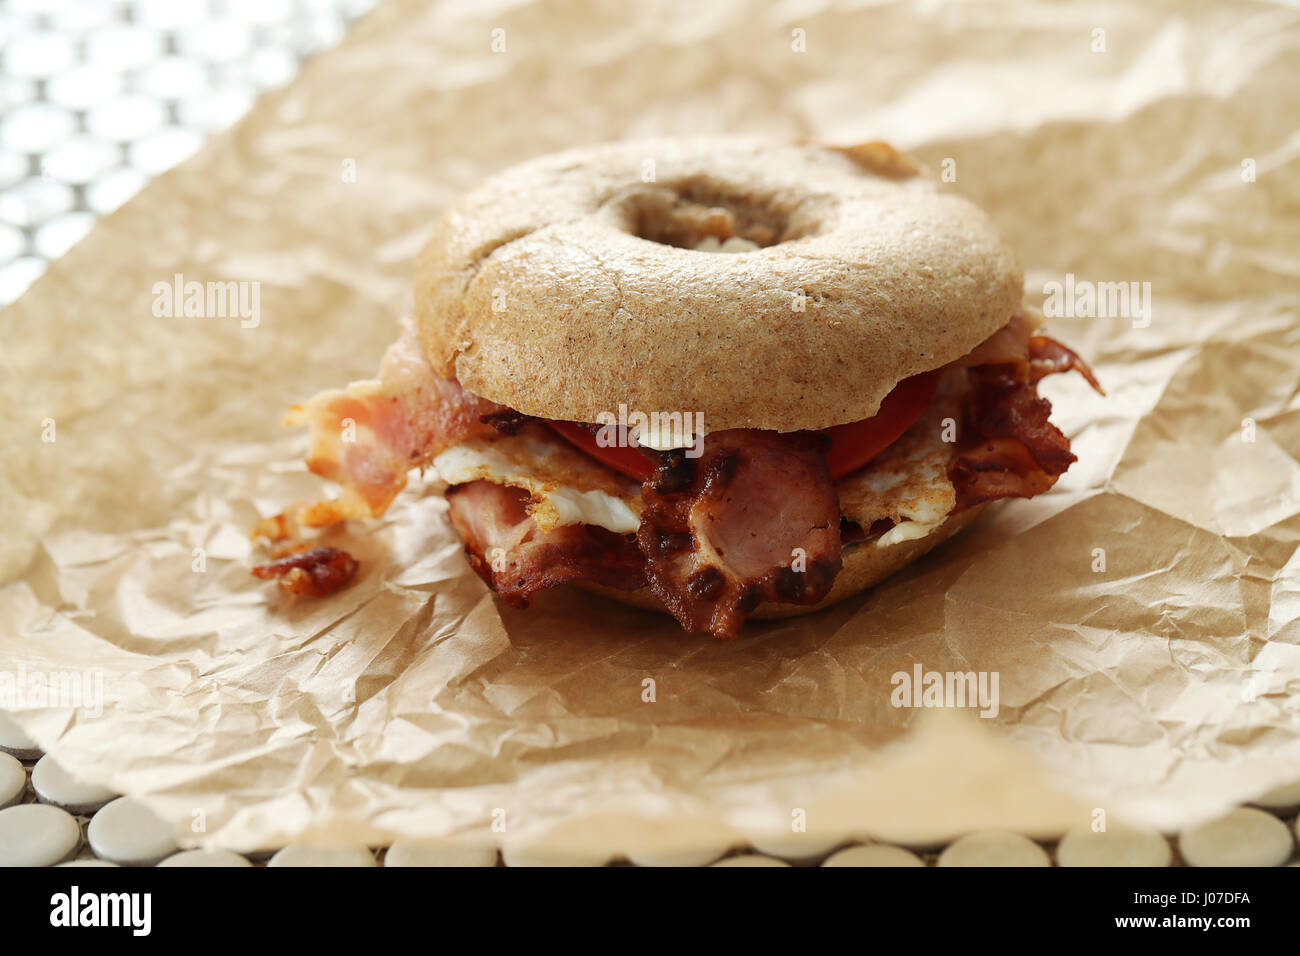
pixel 754 519
pixel 506 549
pixel 1008 448
pixel 369 436
pixel 1035 356
pixel 315 573
pixel 275 529
pixel 1048 356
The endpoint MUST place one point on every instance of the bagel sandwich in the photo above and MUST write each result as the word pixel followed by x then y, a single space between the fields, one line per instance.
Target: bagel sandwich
pixel 721 378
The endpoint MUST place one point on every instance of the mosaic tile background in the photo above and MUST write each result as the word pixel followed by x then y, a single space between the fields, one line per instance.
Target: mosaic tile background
pixel 98 96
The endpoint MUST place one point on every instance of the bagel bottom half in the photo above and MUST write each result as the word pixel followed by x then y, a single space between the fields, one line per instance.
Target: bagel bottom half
pixel 865 565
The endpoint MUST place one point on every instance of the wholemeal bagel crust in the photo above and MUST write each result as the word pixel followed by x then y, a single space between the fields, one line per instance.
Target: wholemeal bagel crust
pixel 569 284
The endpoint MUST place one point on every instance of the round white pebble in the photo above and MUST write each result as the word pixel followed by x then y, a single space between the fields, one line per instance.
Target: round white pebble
pixel 296 854
pixel 127 119
pixel 79 159
pixel 13 780
pixel 14 280
pixel 1242 837
pixel 520 854
pixel 260 11
pixel 220 41
pixel 55 785
pixel 127 832
pixel 86 862
pixel 796 846
pixel 750 859
pixel 270 67
pixel 172 78
pixel 124 47
pixel 59 235
pixel 36 127
pixel 84 87
pixel 12 243
pixel 1118 846
pixel 14 740
pixel 205 858
pixel 413 853
pixel 13 167
pixel 700 855
pixel 1287 795
pixel 168 14
pixel 164 149
pixel 994 848
pixel 33 201
pixel 32 834
pixel 39 54
pixel 218 109
pixel 874 855
pixel 113 188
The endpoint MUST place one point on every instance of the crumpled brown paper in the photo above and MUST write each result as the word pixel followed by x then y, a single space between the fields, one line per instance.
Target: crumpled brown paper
pixel 1161 689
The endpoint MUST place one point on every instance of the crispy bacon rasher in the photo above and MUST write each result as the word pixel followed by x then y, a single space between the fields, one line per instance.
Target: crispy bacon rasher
pixel 1008 448
pixel 369 436
pixel 754 519
pixel 313 573
pixel 515 559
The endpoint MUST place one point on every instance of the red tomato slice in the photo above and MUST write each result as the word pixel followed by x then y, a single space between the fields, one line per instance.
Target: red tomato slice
pixel 852 445
pixel 855 444
pixel 629 461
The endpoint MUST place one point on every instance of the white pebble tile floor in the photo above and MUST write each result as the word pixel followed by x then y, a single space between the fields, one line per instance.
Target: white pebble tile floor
pixel 36 832
pixel 99 97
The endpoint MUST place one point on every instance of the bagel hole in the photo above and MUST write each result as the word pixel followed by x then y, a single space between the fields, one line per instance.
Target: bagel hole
pixel 695 214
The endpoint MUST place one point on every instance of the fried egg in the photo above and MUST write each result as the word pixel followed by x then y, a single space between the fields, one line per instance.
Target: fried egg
pixel 566 485
pixel 908 482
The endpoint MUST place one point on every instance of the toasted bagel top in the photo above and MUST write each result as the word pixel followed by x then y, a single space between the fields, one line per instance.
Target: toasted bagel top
pixel 570 284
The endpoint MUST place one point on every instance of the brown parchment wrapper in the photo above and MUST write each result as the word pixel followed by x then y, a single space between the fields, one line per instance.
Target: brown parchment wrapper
pixel 1161 687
